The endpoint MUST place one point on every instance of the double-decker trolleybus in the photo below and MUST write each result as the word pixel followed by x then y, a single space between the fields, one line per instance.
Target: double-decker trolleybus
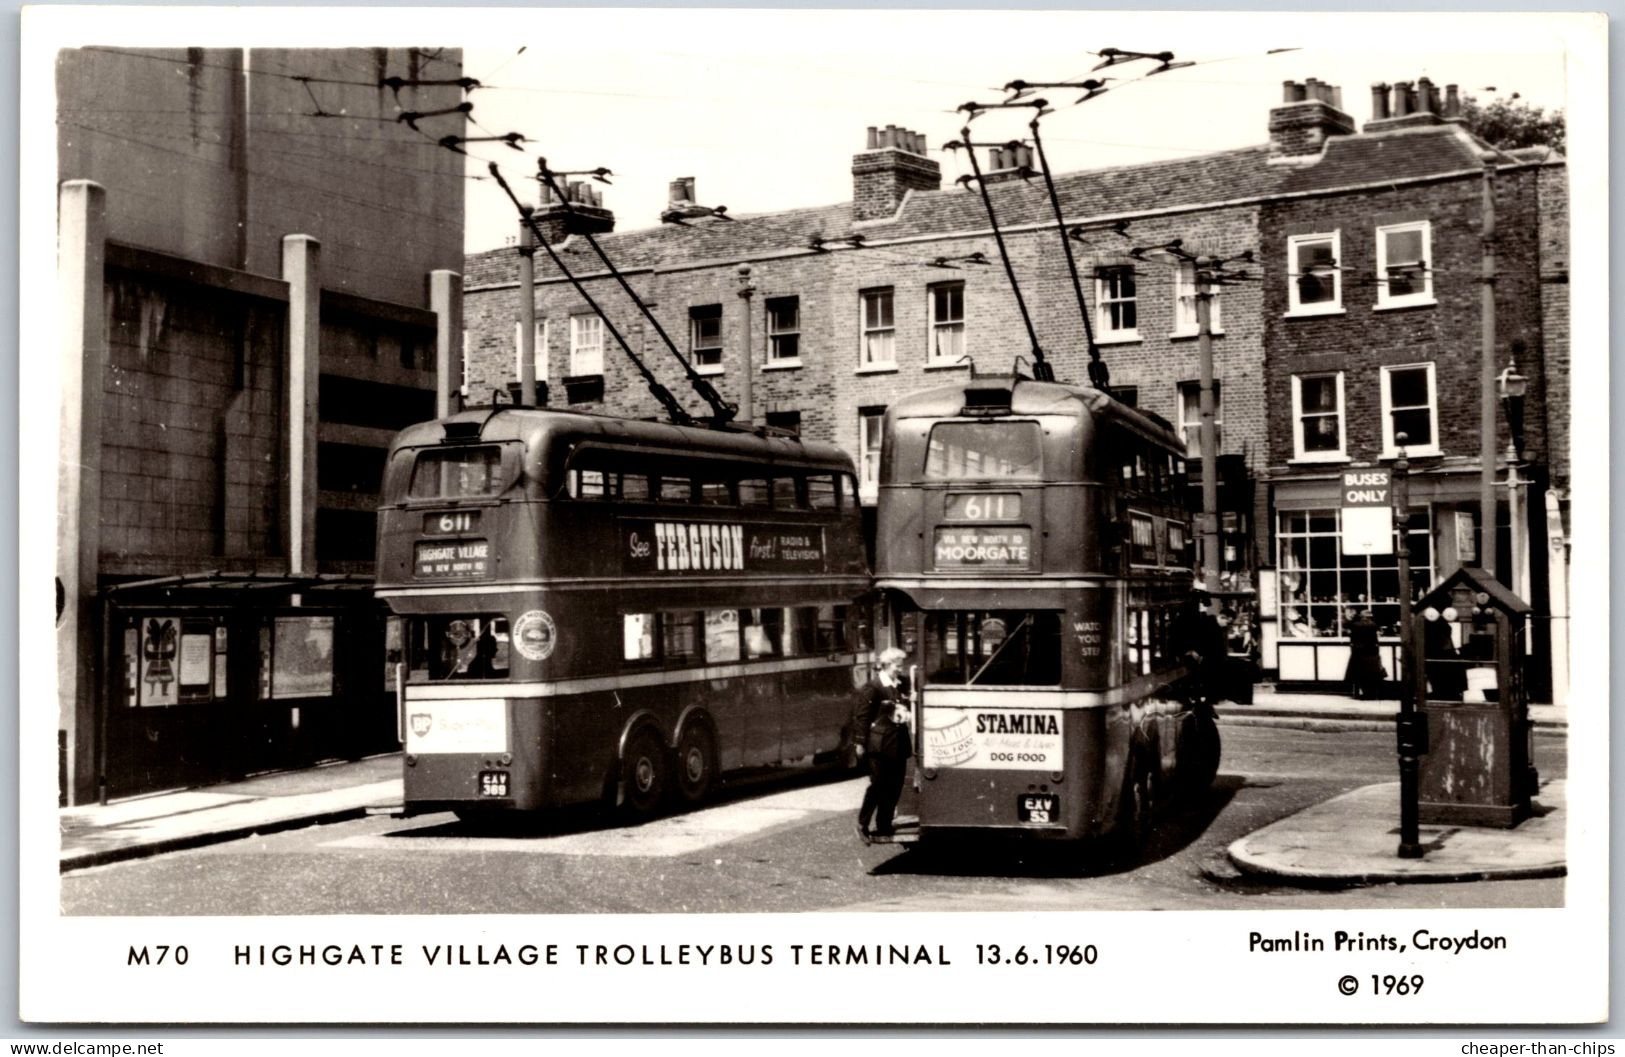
pixel 1034 559
pixel 596 608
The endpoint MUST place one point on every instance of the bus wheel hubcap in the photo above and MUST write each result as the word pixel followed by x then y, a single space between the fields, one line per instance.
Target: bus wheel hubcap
pixel 696 765
pixel 645 773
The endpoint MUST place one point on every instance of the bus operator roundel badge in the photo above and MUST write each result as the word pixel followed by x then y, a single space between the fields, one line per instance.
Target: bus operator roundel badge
pixel 534 634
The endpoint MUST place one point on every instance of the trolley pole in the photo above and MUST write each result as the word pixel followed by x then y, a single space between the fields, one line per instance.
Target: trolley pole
pixel 1412 724
pixel 1209 436
pixel 747 411
pixel 527 310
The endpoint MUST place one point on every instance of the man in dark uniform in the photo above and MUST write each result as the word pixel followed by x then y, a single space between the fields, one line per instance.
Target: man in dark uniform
pixel 880 727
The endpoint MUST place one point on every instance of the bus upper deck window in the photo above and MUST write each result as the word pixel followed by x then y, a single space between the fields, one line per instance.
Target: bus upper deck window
pixel 675 490
pixel 982 450
pixel 635 487
pixel 589 484
pixel 754 493
pixel 786 494
pixel 454 473
pixel 822 493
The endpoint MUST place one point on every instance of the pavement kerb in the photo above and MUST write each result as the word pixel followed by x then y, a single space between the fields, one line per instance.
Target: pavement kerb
pixel 162 845
pixel 1388 871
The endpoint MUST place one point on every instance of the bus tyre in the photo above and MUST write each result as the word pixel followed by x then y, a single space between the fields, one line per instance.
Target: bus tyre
pixel 643 774
pixel 696 763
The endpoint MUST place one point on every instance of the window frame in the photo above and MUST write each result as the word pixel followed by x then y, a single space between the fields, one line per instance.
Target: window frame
pixel 773 360
pixel 698 315
pixel 1185 293
pixel 1423 296
pixel 1389 449
pixel 541 349
pixel 870 338
pixel 869 486
pixel 1193 445
pixel 1105 332
pixel 580 349
pixel 935 327
pixel 1317 308
pixel 1299 452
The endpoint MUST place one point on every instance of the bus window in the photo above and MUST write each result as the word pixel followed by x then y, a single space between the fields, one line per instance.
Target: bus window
pixel 457 647
pixel 588 484
pixel 764 632
pixel 1011 648
pixel 754 493
pixel 635 487
pixel 638 636
pixel 675 490
pixel 823 492
pixel 785 493
pixel 722 634
pixel 455 473
pixel 831 628
pixel 680 637
pixel 982 449
pixel 716 493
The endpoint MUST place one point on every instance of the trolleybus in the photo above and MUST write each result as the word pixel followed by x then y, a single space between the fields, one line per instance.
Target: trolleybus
pixel 595 608
pixel 1034 558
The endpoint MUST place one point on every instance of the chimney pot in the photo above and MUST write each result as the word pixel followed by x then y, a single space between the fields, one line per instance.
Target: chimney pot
pixel 1425 100
pixel 1452 101
pixel 688 189
pixel 874 138
pixel 1337 97
pixel 1287 88
pixel 1379 101
pixel 1402 98
pixel 919 143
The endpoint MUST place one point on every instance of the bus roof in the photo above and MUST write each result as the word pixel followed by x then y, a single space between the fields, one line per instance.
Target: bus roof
pixel 540 427
pixel 1023 396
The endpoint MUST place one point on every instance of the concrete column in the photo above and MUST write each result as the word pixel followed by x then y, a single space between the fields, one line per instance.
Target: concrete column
pixel 302 270
pixel 446 302
pixel 81 251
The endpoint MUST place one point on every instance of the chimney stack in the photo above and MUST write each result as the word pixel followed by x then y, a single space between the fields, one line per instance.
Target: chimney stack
pixel 1412 106
pixel 892 164
pixel 1309 115
pixel 556 222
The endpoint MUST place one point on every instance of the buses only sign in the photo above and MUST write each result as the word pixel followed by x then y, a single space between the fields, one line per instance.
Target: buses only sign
pixel 1368 517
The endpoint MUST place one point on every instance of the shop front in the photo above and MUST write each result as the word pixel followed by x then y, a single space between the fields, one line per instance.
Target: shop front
pixel 211 678
pixel 1318 598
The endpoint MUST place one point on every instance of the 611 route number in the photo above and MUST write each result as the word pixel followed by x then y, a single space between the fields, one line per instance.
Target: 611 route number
pixel 177 955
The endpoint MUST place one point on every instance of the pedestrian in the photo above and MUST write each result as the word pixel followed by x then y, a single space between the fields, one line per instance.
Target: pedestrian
pixel 880 728
pixel 1365 673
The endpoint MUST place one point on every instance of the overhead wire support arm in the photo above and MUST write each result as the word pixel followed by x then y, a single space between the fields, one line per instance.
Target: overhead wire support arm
pixel 674 410
pixel 1041 370
pixel 722 412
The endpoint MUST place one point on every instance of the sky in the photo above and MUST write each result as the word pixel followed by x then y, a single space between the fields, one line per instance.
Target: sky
pixel 766 108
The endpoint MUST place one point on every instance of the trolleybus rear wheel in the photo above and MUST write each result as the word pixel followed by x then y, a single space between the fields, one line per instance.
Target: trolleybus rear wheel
pixel 643 773
pixel 696 763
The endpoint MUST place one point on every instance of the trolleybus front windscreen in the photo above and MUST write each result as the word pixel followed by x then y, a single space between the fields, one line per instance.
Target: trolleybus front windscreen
pixel 979 450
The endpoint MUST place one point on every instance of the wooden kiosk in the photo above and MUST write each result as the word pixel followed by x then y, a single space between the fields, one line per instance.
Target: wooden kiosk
pixel 1467 636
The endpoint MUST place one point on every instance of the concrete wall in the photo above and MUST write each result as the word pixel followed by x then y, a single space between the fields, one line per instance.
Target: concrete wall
pixel 189 148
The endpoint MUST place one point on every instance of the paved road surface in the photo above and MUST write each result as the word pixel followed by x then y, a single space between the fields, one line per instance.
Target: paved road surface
pixel 787 845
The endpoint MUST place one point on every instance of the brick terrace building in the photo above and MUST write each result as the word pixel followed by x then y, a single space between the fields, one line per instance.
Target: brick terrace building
pixel 851 307
pixel 254 297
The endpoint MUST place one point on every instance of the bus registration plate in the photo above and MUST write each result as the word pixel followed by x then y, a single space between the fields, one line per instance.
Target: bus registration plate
pixel 493 783
pixel 1041 808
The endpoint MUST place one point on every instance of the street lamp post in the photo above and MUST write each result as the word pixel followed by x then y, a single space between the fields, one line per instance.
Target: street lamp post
pixel 747 290
pixel 1512 388
pixel 1411 724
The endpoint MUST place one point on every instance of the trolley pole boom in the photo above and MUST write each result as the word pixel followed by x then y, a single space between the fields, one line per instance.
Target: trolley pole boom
pixel 721 410
pixel 1095 364
pixel 1041 370
pixel 674 410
